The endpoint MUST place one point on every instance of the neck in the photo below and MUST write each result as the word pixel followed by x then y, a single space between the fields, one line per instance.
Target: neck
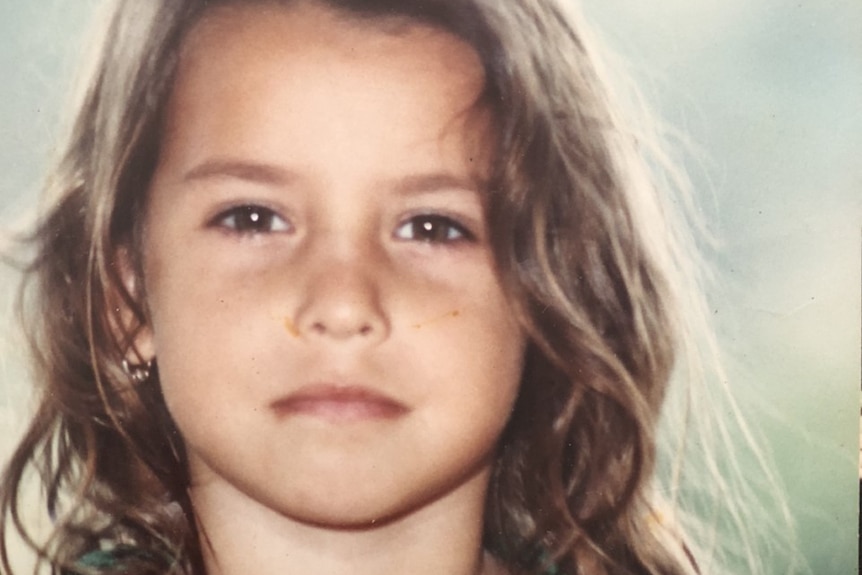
pixel 241 536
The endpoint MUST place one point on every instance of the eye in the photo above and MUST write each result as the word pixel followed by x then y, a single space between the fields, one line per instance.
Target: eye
pixel 433 228
pixel 251 219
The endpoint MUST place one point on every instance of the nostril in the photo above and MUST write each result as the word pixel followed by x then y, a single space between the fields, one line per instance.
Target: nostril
pixel 318 328
pixel 324 328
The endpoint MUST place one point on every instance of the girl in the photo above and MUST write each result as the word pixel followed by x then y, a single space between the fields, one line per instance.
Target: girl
pixel 351 286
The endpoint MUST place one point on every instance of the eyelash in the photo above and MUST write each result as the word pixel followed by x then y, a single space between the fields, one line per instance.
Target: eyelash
pixel 431 225
pixel 250 220
pixel 253 219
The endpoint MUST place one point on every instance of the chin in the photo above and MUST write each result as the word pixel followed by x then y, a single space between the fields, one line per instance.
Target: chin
pixel 348 514
pixel 373 503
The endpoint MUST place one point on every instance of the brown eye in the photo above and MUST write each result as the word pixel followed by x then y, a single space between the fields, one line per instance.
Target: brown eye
pixel 433 228
pixel 252 219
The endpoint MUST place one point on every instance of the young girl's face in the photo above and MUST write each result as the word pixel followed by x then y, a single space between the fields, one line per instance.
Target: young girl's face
pixel 332 338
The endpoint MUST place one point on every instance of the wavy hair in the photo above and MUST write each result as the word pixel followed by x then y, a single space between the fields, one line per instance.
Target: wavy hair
pixel 586 247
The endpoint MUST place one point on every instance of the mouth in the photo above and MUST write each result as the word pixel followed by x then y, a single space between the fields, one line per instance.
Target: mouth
pixel 338 403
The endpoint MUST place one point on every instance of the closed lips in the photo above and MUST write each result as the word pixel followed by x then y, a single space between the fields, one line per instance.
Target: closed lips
pixel 335 402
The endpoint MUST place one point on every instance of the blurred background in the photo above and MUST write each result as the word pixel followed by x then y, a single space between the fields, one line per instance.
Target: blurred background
pixel 769 97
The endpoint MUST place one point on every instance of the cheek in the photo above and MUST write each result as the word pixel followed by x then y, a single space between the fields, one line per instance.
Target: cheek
pixel 476 354
pixel 195 321
pixel 498 339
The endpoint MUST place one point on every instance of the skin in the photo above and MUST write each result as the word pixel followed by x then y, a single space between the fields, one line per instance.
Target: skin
pixel 316 219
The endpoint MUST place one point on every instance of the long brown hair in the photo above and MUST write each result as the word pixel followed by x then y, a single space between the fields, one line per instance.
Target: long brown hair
pixel 584 243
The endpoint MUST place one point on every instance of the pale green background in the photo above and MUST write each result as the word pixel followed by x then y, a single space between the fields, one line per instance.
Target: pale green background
pixel 769 92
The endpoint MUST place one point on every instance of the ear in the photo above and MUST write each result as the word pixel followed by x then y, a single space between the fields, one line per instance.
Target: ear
pixel 128 319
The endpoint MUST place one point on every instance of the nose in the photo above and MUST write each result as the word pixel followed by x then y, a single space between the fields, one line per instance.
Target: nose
pixel 342 299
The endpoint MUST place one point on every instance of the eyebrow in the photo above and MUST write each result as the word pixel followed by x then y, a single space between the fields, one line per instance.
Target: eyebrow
pixel 435 181
pixel 270 174
pixel 241 170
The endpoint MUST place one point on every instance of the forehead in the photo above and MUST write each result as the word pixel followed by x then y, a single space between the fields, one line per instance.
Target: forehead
pixel 250 74
pixel 313 30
